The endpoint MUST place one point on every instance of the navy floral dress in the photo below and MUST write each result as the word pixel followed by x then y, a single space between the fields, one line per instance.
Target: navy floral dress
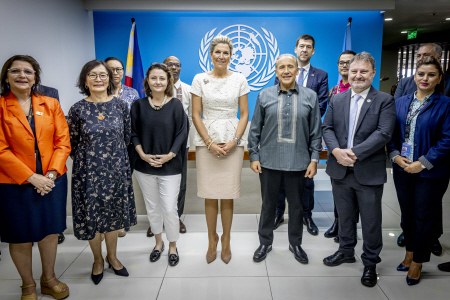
pixel 102 190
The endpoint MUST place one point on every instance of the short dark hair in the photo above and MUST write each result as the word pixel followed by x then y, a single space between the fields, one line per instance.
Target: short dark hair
pixel 306 37
pixel 4 74
pixel 81 82
pixel 169 88
pixel 431 60
pixel 346 52
pixel 114 58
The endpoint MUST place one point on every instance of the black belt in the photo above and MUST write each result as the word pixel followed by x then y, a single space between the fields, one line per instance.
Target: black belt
pixel 350 169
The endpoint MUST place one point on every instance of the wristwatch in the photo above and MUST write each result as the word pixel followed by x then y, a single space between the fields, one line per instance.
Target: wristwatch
pixel 237 140
pixel 423 167
pixel 51 176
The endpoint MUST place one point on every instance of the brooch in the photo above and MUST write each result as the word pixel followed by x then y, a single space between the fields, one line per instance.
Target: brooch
pixel 205 81
pixel 368 100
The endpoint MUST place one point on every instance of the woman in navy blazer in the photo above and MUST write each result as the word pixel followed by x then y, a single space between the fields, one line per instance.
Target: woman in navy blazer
pixel 420 149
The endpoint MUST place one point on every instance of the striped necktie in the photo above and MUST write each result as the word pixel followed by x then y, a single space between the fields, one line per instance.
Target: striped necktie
pixel 352 120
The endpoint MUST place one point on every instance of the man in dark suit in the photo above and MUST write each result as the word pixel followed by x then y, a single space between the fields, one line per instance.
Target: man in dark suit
pixel 53 93
pixel 356 128
pixel 407 86
pixel 317 80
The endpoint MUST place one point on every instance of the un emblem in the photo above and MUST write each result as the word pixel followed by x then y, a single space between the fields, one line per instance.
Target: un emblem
pixel 254 55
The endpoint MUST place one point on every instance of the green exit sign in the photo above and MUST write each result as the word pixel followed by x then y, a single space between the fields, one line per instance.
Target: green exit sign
pixel 412 34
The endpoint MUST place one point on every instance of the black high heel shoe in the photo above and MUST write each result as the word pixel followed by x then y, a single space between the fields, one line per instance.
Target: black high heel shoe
pixel 97 278
pixel 121 272
pixel 411 281
pixel 402 268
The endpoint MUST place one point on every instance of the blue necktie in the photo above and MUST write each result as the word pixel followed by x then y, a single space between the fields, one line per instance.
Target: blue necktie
pixel 352 120
pixel 300 77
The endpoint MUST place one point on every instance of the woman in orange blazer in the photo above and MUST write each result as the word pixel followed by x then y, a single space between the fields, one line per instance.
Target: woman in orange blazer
pixel 34 146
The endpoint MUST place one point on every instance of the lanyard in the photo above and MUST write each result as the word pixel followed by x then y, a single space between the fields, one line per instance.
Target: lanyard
pixel 30 114
pixel 411 116
pixel 304 78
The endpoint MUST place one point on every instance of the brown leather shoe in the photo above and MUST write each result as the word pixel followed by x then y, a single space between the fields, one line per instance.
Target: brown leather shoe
pixel 149 232
pixel 182 227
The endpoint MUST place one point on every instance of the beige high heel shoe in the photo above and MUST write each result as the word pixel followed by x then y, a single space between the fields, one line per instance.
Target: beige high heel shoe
pixel 225 257
pixel 56 290
pixel 209 257
pixel 30 296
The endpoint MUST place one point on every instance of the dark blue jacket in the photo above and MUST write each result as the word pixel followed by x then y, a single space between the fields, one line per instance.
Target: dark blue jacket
pixel 431 138
pixel 318 82
pixel 408 86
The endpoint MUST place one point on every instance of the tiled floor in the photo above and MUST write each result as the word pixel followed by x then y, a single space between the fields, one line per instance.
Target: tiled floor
pixel 280 276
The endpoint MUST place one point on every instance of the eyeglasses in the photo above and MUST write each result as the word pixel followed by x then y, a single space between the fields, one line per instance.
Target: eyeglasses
pixel 343 63
pixel 94 76
pixel 172 64
pixel 117 70
pixel 17 72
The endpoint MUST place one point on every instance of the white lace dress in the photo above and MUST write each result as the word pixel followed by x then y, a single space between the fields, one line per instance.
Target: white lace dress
pixel 219 178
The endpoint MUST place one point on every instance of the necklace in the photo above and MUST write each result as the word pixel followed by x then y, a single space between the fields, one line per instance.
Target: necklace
pixel 157 107
pixel 101 115
pixel 25 102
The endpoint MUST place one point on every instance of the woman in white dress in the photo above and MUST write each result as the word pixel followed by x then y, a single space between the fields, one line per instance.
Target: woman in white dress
pixel 218 95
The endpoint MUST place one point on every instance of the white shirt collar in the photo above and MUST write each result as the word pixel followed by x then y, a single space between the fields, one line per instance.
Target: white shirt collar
pixel 177 84
pixel 307 67
pixel 363 94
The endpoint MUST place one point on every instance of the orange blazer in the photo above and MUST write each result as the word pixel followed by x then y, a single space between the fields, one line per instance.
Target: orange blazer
pixel 17 153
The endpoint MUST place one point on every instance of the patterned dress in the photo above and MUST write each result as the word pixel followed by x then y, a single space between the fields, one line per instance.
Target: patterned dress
pixel 102 190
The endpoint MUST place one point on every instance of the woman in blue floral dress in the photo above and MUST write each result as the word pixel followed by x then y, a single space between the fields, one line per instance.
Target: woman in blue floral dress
pixel 102 190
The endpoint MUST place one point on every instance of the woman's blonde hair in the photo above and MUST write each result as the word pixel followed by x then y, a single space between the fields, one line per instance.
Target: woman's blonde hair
pixel 221 39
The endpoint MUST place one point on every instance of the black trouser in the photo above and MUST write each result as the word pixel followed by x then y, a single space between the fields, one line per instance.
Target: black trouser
pixel 348 196
pixel 420 201
pixel 182 194
pixel 294 182
pixel 308 199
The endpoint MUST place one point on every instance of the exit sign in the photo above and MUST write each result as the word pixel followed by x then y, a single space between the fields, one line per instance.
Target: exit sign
pixel 412 34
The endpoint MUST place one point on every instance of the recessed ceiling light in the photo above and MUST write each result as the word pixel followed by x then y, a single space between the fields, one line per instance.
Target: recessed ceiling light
pixel 448 19
pixel 404 32
pixel 388 19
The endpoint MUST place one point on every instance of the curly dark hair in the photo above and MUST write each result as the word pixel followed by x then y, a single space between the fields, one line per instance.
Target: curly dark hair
pixel 431 60
pixel 4 74
pixel 87 68
pixel 169 89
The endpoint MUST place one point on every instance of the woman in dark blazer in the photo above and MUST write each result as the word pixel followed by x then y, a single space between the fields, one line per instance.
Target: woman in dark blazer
pixel 34 146
pixel 420 149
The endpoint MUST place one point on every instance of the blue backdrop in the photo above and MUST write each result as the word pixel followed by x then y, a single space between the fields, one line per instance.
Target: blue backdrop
pixel 260 36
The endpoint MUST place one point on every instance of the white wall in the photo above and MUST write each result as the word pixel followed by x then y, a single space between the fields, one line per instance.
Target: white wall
pixel 59 34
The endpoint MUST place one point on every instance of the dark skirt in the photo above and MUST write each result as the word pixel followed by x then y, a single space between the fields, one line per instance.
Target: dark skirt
pixel 26 216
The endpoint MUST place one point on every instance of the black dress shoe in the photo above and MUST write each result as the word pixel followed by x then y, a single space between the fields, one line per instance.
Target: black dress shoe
pixel 149 232
pixel 338 258
pixel 122 272
pixel 401 240
pixel 156 254
pixel 279 219
pixel 182 227
pixel 333 231
pixel 261 252
pixel 444 267
pixel 336 239
pixel 437 248
pixel 402 268
pixel 61 238
pixel 174 259
pixel 311 226
pixel 369 277
pixel 299 254
pixel 96 278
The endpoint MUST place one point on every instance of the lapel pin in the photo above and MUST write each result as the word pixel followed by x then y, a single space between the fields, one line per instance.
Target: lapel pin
pixel 39 113
pixel 312 74
pixel 368 100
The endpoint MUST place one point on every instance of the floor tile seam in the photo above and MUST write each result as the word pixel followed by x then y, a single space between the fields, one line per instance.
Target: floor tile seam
pixel 384 293
pixel 62 274
pixel 216 276
pixel 392 209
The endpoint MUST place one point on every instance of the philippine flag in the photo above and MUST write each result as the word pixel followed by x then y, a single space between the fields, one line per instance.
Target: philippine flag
pixel 134 76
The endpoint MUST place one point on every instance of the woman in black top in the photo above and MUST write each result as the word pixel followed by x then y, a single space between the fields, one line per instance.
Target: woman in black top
pixel 159 132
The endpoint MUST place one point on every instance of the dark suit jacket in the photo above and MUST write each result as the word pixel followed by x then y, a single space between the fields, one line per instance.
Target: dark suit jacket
pixel 318 82
pixel 407 86
pixel 48 91
pixel 431 137
pixel 374 129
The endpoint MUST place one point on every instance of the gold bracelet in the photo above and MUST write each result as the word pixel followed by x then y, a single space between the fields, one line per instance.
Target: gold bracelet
pixel 208 142
pixel 209 145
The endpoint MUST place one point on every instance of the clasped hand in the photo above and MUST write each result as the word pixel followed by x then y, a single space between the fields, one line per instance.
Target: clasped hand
pixel 222 149
pixel 407 165
pixel 157 160
pixel 41 183
pixel 345 157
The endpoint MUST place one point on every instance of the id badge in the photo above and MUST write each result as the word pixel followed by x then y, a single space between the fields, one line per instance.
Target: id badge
pixel 406 150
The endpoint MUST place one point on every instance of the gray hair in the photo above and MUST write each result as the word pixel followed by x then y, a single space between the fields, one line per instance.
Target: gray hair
pixel 437 48
pixel 221 39
pixel 286 55
pixel 366 56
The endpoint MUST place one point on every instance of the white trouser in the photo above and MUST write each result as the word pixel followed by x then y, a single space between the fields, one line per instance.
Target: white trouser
pixel 161 201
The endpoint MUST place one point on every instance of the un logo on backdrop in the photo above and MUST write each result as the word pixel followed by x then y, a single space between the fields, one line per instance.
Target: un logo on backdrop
pixel 253 54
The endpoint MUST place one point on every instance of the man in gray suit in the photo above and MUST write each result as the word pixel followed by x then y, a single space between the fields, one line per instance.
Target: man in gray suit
pixel 356 128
